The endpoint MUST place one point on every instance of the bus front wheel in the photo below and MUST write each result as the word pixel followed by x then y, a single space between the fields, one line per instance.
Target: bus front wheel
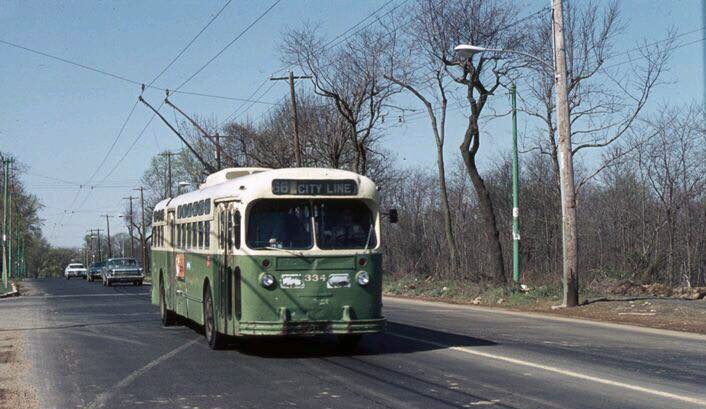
pixel 214 339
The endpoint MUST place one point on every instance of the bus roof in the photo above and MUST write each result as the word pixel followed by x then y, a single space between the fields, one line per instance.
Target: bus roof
pixel 247 184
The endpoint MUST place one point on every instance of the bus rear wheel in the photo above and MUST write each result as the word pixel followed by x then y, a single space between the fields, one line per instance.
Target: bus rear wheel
pixel 214 339
pixel 168 318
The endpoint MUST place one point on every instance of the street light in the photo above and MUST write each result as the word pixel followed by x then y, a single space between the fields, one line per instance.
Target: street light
pixel 566 170
pixel 466 51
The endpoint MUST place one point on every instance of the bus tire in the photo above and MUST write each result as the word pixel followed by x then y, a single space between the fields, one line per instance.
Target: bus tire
pixel 168 317
pixel 215 340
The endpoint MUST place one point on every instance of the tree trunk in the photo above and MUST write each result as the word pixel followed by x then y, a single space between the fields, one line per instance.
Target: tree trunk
pixel 490 224
pixel 446 211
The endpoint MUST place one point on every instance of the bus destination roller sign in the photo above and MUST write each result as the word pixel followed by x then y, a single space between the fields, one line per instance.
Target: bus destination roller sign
pixel 298 187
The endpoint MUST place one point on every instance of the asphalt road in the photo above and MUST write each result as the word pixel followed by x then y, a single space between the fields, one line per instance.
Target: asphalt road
pixel 103 347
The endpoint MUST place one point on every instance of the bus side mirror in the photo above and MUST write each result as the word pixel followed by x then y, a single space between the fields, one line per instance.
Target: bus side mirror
pixel 392 214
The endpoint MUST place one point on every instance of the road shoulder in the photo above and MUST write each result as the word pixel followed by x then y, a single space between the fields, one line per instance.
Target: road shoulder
pixel 562 315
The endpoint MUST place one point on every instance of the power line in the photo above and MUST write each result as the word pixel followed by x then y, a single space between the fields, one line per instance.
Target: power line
pixel 218 54
pixel 325 47
pixel 120 77
pixel 183 50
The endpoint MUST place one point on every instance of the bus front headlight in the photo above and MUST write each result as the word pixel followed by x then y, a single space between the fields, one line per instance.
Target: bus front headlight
pixel 267 280
pixel 363 278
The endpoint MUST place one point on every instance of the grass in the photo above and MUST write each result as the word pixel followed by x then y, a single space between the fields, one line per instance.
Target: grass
pixel 466 291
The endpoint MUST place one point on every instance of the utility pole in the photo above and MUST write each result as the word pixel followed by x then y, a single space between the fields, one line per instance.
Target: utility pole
pixel 566 165
pixel 219 163
pixel 169 171
pixel 129 224
pixel 142 238
pixel 295 120
pixel 515 192
pixel 98 234
pixel 107 226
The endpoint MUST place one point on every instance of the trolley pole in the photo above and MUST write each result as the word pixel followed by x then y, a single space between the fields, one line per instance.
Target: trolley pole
pixel 142 238
pixel 129 224
pixel 295 120
pixel 515 192
pixel 107 227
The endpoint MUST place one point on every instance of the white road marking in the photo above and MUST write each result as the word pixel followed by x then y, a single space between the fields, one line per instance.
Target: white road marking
pixel 636 388
pixel 102 398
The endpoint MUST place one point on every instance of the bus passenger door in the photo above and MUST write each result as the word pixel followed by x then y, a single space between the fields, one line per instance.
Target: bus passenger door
pixel 170 273
pixel 220 285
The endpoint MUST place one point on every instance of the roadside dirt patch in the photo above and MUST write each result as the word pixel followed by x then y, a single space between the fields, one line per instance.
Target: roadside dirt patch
pixel 678 315
pixel 15 391
pixel 7 357
pixel 661 313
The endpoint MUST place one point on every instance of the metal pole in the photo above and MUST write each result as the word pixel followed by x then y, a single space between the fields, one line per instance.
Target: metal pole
pixel 9 239
pixel 515 192
pixel 4 221
pixel 110 247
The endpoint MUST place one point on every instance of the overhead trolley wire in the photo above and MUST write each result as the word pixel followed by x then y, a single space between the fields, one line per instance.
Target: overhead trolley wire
pixel 243 32
pixel 218 54
pixel 183 50
pixel 123 78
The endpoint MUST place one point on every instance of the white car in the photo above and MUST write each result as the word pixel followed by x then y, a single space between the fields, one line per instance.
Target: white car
pixel 75 270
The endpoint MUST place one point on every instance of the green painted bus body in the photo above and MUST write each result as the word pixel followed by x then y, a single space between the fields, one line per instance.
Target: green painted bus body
pixel 242 306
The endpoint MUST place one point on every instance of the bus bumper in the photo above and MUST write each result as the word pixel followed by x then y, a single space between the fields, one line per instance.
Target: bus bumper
pixel 311 327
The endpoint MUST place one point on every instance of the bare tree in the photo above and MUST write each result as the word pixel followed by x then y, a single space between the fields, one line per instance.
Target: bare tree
pixel 419 71
pixel 350 74
pixel 443 25
pixel 605 95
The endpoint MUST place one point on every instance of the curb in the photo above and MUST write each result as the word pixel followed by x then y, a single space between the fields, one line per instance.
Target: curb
pixel 13 293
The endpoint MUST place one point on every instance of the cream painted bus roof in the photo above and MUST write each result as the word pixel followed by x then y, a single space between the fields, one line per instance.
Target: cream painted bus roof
pixel 256 183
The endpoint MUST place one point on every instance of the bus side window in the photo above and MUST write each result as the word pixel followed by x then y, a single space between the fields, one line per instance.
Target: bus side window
pixel 236 229
pixel 194 234
pixel 178 236
pixel 201 235
pixel 229 234
pixel 188 235
pixel 171 234
pixel 207 234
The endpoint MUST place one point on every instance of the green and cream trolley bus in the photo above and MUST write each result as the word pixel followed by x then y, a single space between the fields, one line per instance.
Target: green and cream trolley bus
pixel 257 252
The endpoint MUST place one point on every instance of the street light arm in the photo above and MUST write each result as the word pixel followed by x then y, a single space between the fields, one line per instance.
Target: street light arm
pixel 533 57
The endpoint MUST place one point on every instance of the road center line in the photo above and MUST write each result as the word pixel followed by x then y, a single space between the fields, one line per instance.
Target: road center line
pixel 102 398
pixel 696 401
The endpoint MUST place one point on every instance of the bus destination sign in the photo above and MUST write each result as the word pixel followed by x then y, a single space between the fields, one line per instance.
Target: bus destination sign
pixel 345 187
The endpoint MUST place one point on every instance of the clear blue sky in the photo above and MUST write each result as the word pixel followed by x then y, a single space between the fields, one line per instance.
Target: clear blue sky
pixel 60 120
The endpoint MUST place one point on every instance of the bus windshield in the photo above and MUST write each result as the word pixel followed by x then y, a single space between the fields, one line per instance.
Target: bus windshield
pixel 344 224
pixel 286 224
